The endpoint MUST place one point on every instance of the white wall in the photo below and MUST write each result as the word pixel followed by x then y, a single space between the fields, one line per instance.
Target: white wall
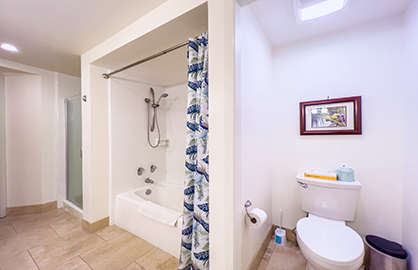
pixel 130 149
pixel 364 60
pixel 30 139
pixel 3 191
pixel 224 184
pixel 410 185
pixel 67 86
pixel 254 107
pixel 48 114
pixel 23 140
pixel 33 119
pixel 96 143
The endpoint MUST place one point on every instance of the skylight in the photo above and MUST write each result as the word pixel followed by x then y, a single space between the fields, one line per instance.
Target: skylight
pixel 312 9
pixel 9 47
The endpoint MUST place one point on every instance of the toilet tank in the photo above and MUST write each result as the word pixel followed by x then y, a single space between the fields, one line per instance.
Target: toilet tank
pixel 329 199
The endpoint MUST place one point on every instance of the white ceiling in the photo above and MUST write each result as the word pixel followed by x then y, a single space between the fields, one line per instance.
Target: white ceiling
pixel 52 34
pixel 278 21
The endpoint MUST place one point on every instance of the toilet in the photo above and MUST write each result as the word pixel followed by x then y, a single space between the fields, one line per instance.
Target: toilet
pixel 324 239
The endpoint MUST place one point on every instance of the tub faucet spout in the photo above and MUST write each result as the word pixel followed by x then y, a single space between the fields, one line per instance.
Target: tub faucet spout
pixel 149 181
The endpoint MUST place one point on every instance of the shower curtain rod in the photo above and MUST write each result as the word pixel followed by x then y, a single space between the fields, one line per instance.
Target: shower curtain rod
pixel 107 75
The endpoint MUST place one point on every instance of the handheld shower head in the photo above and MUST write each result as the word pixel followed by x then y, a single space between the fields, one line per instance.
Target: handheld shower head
pixel 162 96
pixel 152 94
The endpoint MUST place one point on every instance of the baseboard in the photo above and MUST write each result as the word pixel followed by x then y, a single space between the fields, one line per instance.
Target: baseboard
pixel 31 209
pixel 94 227
pixel 257 259
pixel 290 236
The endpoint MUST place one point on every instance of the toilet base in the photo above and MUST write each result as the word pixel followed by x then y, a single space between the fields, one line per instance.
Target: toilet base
pixel 310 267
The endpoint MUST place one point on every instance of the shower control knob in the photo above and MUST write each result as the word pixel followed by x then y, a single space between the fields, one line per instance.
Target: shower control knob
pixel 140 171
pixel 153 168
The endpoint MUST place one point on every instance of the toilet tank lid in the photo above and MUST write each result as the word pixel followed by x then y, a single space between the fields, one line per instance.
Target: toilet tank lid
pixel 328 183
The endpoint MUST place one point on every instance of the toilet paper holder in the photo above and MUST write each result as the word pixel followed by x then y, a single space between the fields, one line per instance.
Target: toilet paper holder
pixel 247 204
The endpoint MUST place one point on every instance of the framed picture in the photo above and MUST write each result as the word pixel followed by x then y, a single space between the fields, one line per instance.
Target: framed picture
pixel 340 116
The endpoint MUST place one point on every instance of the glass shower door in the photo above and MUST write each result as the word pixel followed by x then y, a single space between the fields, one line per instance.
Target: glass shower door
pixel 74 154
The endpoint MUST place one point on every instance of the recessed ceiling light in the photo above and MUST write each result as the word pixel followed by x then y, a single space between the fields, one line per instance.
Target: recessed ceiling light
pixel 311 9
pixel 9 47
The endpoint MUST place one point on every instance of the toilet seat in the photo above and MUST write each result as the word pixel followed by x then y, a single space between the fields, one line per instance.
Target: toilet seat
pixel 329 244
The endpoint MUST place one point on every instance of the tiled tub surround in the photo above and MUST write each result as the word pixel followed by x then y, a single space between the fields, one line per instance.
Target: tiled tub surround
pixel 55 240
pixel 130 149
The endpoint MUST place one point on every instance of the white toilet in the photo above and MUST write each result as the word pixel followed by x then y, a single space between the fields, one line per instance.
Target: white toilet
pixel 324 239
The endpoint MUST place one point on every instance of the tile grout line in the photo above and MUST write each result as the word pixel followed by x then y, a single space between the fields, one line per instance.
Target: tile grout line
pixel 79 255
pixel 40 245
pixel 89 234
pixel 102 237
pixel 13 227
pixel 85 262
pixel 141 257
pixel 33 259
pixel 144 255
pixel 54 230
pixel 139 265
pixel 52 240
pixel 50 225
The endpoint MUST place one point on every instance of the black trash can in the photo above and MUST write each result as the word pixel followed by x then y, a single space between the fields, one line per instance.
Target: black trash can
pixel 382 254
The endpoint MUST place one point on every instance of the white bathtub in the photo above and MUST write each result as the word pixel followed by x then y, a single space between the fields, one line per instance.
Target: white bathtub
pixel 166 194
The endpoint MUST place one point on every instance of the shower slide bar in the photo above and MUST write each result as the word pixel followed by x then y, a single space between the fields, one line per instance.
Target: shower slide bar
pixel 107 75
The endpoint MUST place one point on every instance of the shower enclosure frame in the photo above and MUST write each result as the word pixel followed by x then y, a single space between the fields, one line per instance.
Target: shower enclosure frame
pixel 67 159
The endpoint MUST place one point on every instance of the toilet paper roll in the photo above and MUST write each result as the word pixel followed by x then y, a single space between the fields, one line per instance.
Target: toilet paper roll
pixel 259 215
pixel 345 174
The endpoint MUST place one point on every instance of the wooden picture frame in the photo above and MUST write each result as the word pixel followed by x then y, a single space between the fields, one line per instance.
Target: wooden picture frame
pixel 340 116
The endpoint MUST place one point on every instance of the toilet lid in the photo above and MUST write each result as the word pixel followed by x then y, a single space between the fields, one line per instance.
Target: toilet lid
pixel 330 240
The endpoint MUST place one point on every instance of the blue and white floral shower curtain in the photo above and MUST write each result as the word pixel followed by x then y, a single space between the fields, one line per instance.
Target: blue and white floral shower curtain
pixel 195 235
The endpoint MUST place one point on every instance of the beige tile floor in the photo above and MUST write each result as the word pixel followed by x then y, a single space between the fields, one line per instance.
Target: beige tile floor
pixel 55 240
pixel 288 257
pixel 277 257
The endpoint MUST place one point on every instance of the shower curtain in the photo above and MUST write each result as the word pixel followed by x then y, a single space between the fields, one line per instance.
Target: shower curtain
pixel 194 252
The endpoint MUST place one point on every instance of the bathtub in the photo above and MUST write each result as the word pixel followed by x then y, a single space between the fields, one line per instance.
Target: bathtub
pixel 169 195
